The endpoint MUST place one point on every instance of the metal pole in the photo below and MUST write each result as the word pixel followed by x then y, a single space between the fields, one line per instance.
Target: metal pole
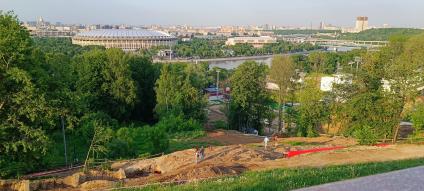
pixel 64 139
pixel 217 81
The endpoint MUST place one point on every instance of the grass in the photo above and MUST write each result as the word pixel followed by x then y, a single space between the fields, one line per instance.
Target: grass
pixel 289 179
pixel 296 143
pixel 187 140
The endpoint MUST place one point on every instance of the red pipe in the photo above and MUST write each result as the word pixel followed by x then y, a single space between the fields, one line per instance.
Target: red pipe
pixel 382 145
pixel 294 153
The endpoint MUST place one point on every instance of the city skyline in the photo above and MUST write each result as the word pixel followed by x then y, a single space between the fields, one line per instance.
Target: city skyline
pixel 299 13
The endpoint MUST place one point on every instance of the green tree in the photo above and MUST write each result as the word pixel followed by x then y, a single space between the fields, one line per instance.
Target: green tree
pixel 249 98
pixel 104 82
pixel 282 73
pixel 15 44
pixel 145 74
pixel 317 60
pixel 24 113
pixel 417 118
pixel 167 91
pixel 404 71
pixel 178 92
pixel 102 133
pixel 312 111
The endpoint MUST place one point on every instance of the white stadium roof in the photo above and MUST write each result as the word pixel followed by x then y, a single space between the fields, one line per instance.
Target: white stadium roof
pixel 124 33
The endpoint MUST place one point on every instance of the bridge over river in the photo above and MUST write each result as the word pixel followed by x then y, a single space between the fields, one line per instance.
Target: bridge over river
pixel 348 43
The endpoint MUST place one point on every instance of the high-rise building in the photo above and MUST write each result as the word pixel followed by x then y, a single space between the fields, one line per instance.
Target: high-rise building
pixel 361 23
pixel 321 25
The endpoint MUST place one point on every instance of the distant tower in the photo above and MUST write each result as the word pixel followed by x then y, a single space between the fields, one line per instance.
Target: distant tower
pixel 40 21
pixel 361 23
pixel 322 25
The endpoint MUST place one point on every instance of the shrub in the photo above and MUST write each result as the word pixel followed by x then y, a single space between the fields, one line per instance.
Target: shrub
pixel 136 141
pixel 417 118
pixel 157 140
pixel 365 135
pixel 220 124
pixel 173 124
pixel 88 123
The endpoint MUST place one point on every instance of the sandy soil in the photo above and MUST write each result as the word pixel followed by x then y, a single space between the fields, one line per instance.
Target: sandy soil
pixel 235 159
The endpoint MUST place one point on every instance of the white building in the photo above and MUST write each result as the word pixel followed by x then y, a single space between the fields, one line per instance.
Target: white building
pixel 257 42
pixel 361 24
pixel 125 39
pixel 327 82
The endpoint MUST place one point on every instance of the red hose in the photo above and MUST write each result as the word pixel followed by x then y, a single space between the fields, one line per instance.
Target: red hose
pixel 294 153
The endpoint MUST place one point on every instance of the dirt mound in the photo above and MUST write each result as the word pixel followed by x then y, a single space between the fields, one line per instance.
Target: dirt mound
pixel 204 171
pixel 218 161
pixel 97 184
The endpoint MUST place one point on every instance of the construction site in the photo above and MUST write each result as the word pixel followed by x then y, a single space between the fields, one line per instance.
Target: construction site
pixel 240 153
pixel 236 154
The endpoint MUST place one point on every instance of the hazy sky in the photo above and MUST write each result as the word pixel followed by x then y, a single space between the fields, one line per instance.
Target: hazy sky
pixel 401 13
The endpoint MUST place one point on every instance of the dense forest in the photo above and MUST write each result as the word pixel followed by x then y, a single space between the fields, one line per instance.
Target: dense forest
pixel 112 104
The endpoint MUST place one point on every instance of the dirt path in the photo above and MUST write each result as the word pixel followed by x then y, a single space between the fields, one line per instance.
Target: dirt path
pixel 215 114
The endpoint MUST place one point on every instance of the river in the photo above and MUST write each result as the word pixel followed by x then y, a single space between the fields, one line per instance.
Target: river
pixel 232 64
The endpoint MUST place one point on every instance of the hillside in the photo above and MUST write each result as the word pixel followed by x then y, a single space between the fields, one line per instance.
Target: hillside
pixel 232 160
pixel 380 34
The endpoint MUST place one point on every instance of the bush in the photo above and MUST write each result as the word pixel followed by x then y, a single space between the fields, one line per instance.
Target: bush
pixel 88 122
pixel 188 135
pixel 157 140
pixel 136 141
pixel 366 135
pixel 417 118
pixel 220 124
pixel 174 124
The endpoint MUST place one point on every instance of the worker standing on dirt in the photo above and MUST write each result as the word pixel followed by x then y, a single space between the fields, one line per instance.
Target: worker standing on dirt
pixel 197 153
pixel 202 153
pixel 266 140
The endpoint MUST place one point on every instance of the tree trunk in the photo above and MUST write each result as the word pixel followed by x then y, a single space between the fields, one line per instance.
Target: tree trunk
pixel 89 150
pixel 279 117
pixel 2 104
pixel 395 136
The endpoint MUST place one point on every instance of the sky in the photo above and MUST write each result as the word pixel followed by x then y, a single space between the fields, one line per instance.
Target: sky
pixel 398 13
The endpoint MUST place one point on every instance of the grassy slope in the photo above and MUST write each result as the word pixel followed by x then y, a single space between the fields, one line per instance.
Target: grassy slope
pixel 187 140
pixel 380 34
pixel 77 147
pixel 288 179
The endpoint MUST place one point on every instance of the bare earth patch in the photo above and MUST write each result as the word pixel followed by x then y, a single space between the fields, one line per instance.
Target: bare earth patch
pixel 235 159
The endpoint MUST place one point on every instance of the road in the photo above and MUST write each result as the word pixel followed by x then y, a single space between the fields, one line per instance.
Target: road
pixel 411 179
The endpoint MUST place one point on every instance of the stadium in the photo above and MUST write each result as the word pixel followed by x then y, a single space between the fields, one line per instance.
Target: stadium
pixel 125 39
